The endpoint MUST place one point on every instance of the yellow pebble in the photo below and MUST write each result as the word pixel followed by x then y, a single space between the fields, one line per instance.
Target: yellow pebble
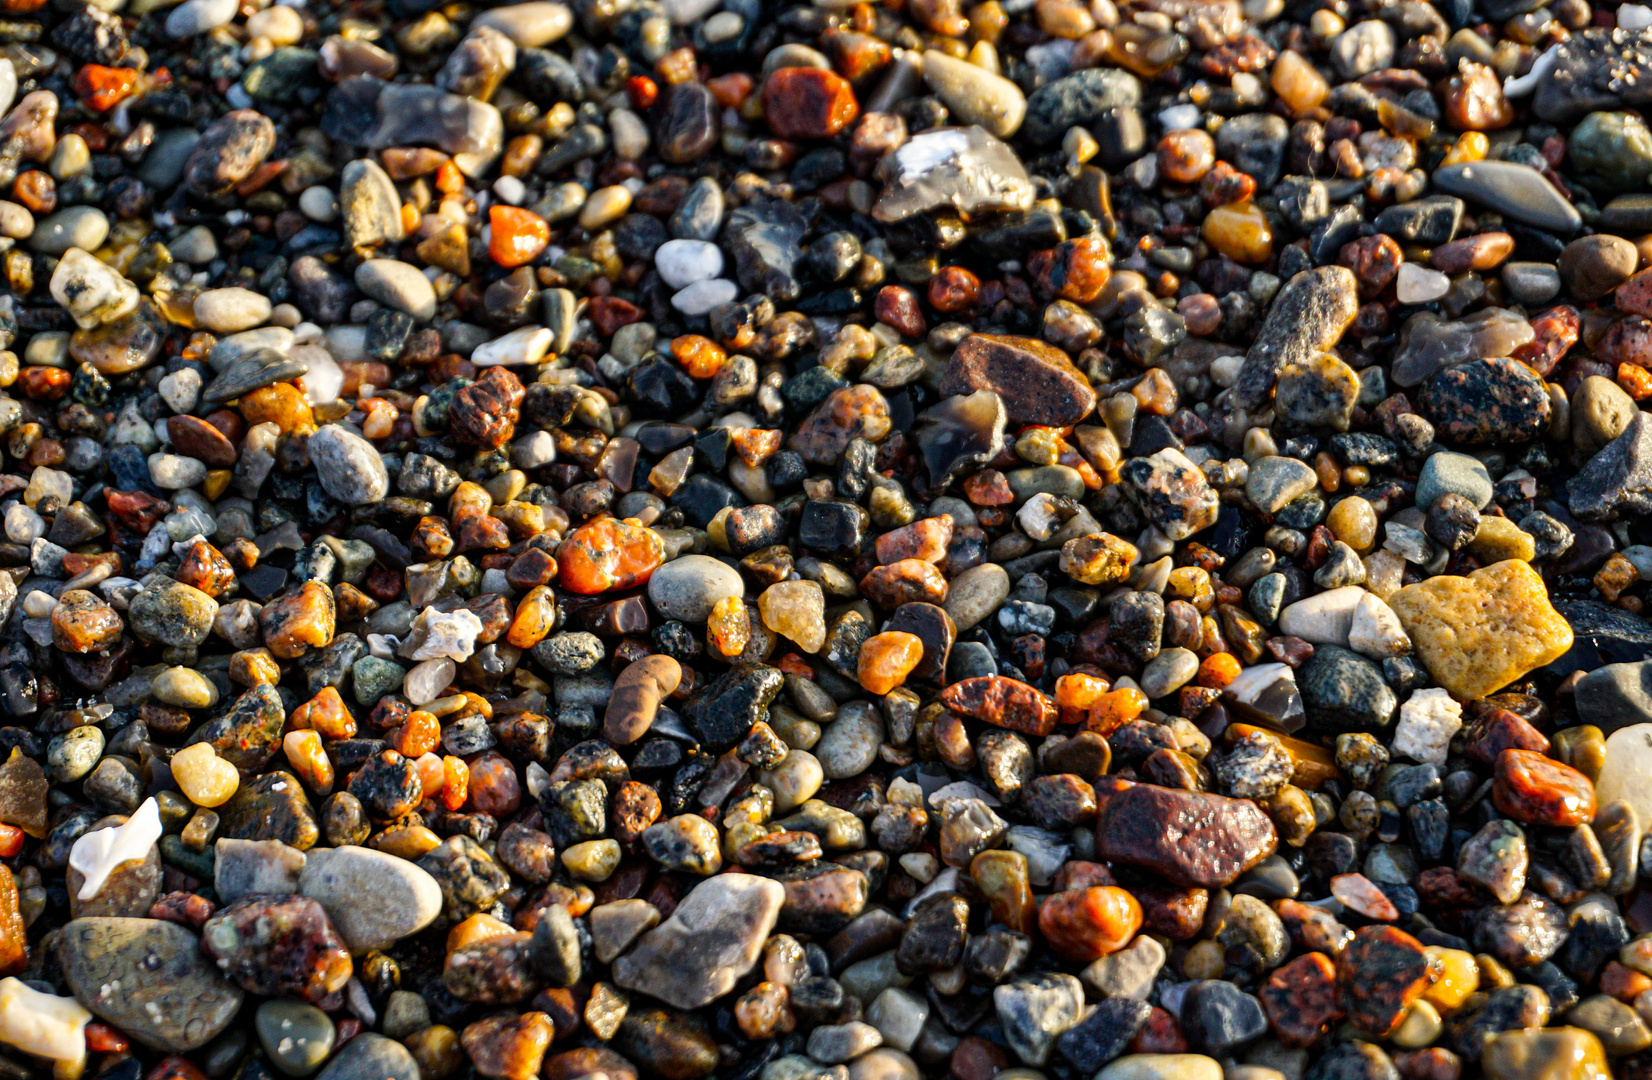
pixel 1459 977
pixel 1470 146
pixel 205 778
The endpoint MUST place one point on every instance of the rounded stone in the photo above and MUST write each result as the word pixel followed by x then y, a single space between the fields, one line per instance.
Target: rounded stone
pixel 297 1037
pixel 350 468
pixel 688 587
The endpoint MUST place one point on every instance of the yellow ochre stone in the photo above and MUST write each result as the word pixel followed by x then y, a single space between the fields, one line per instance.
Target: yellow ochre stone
pixel 1477 634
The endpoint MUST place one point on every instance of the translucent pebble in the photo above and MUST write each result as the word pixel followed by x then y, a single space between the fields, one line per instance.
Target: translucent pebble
pixel 1419 285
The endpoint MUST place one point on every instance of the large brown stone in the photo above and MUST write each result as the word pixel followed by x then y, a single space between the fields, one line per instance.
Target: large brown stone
pixel 1037 381
pixel 1183 836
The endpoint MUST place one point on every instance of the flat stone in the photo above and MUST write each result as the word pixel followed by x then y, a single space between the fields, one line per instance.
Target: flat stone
pixel 1477 634
pixel 1188 838
pixel 966 169
pixel 1618 477
pixel 1325 618
pixel 1077 99
pixel 1036 381
pixel 974 95
pixel 689 586
pixel 245 867
pixel 371 1057
pixel 149 978
pixel 1616 696
pixel 712 939
pixel 1519 191
pixel 1035 1010
pixel 1307 319
pixel 350 468
pixel 1595 70
pixel 406 898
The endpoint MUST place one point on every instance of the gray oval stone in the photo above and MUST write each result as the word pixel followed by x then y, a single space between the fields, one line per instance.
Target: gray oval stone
pixel 350 468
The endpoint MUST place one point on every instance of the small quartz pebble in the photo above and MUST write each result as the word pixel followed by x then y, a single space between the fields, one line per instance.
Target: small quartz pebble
pixel 44 1025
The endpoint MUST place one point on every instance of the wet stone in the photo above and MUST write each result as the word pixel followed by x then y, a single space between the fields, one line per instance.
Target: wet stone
pixel 170 996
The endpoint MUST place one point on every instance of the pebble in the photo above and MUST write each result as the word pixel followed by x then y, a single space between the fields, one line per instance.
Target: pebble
pixel 398 285
pixel 711 940
pixel 148 978
pixel 351 468
pixel 406 898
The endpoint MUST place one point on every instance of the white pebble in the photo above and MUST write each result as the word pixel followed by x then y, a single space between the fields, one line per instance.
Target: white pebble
pixel 225 311
pixel 510 190
pixel 1419 285
pixel 681 263
pixel 23 525
pixel 198 16
pixel 525 346
pixel 181 389
pixel 44 1025
pixel 426 682
pixel 318 203
pixel 700 297
pixel 325 378
pixel 281 25
pixel 97 853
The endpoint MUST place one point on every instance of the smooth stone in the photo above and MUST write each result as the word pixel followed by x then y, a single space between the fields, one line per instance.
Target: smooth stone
pixel 1519 191
pixel 399 285
pixel 1459 474
pixel 1627 773
pixel 1275 482
pixel 710 941
pixel 149 978
pixel 689 586
pixel 349 467
pixel 1324 618
pixel 296 1037
pixel 229 311
pixel 975 594
pixel 84 227
pixel 975 95
pixel 406 898
pixel 532 25
pixel 1162 1067
pixel 194 17
pixel 682 263
pixel 372 1057
pixel 248 867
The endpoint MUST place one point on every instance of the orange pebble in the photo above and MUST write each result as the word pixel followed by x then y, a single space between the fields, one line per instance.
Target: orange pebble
pixel 419 734
pixel 1217 670
pixel 1076 692
pixel 455 782
pixel 432 774
pixel 518 235
pixel 1087 924
pixel 449 180
pixel 1635 380
pixel 886 658
pixel 700 356
pixel 1115 709
pixel 102 88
